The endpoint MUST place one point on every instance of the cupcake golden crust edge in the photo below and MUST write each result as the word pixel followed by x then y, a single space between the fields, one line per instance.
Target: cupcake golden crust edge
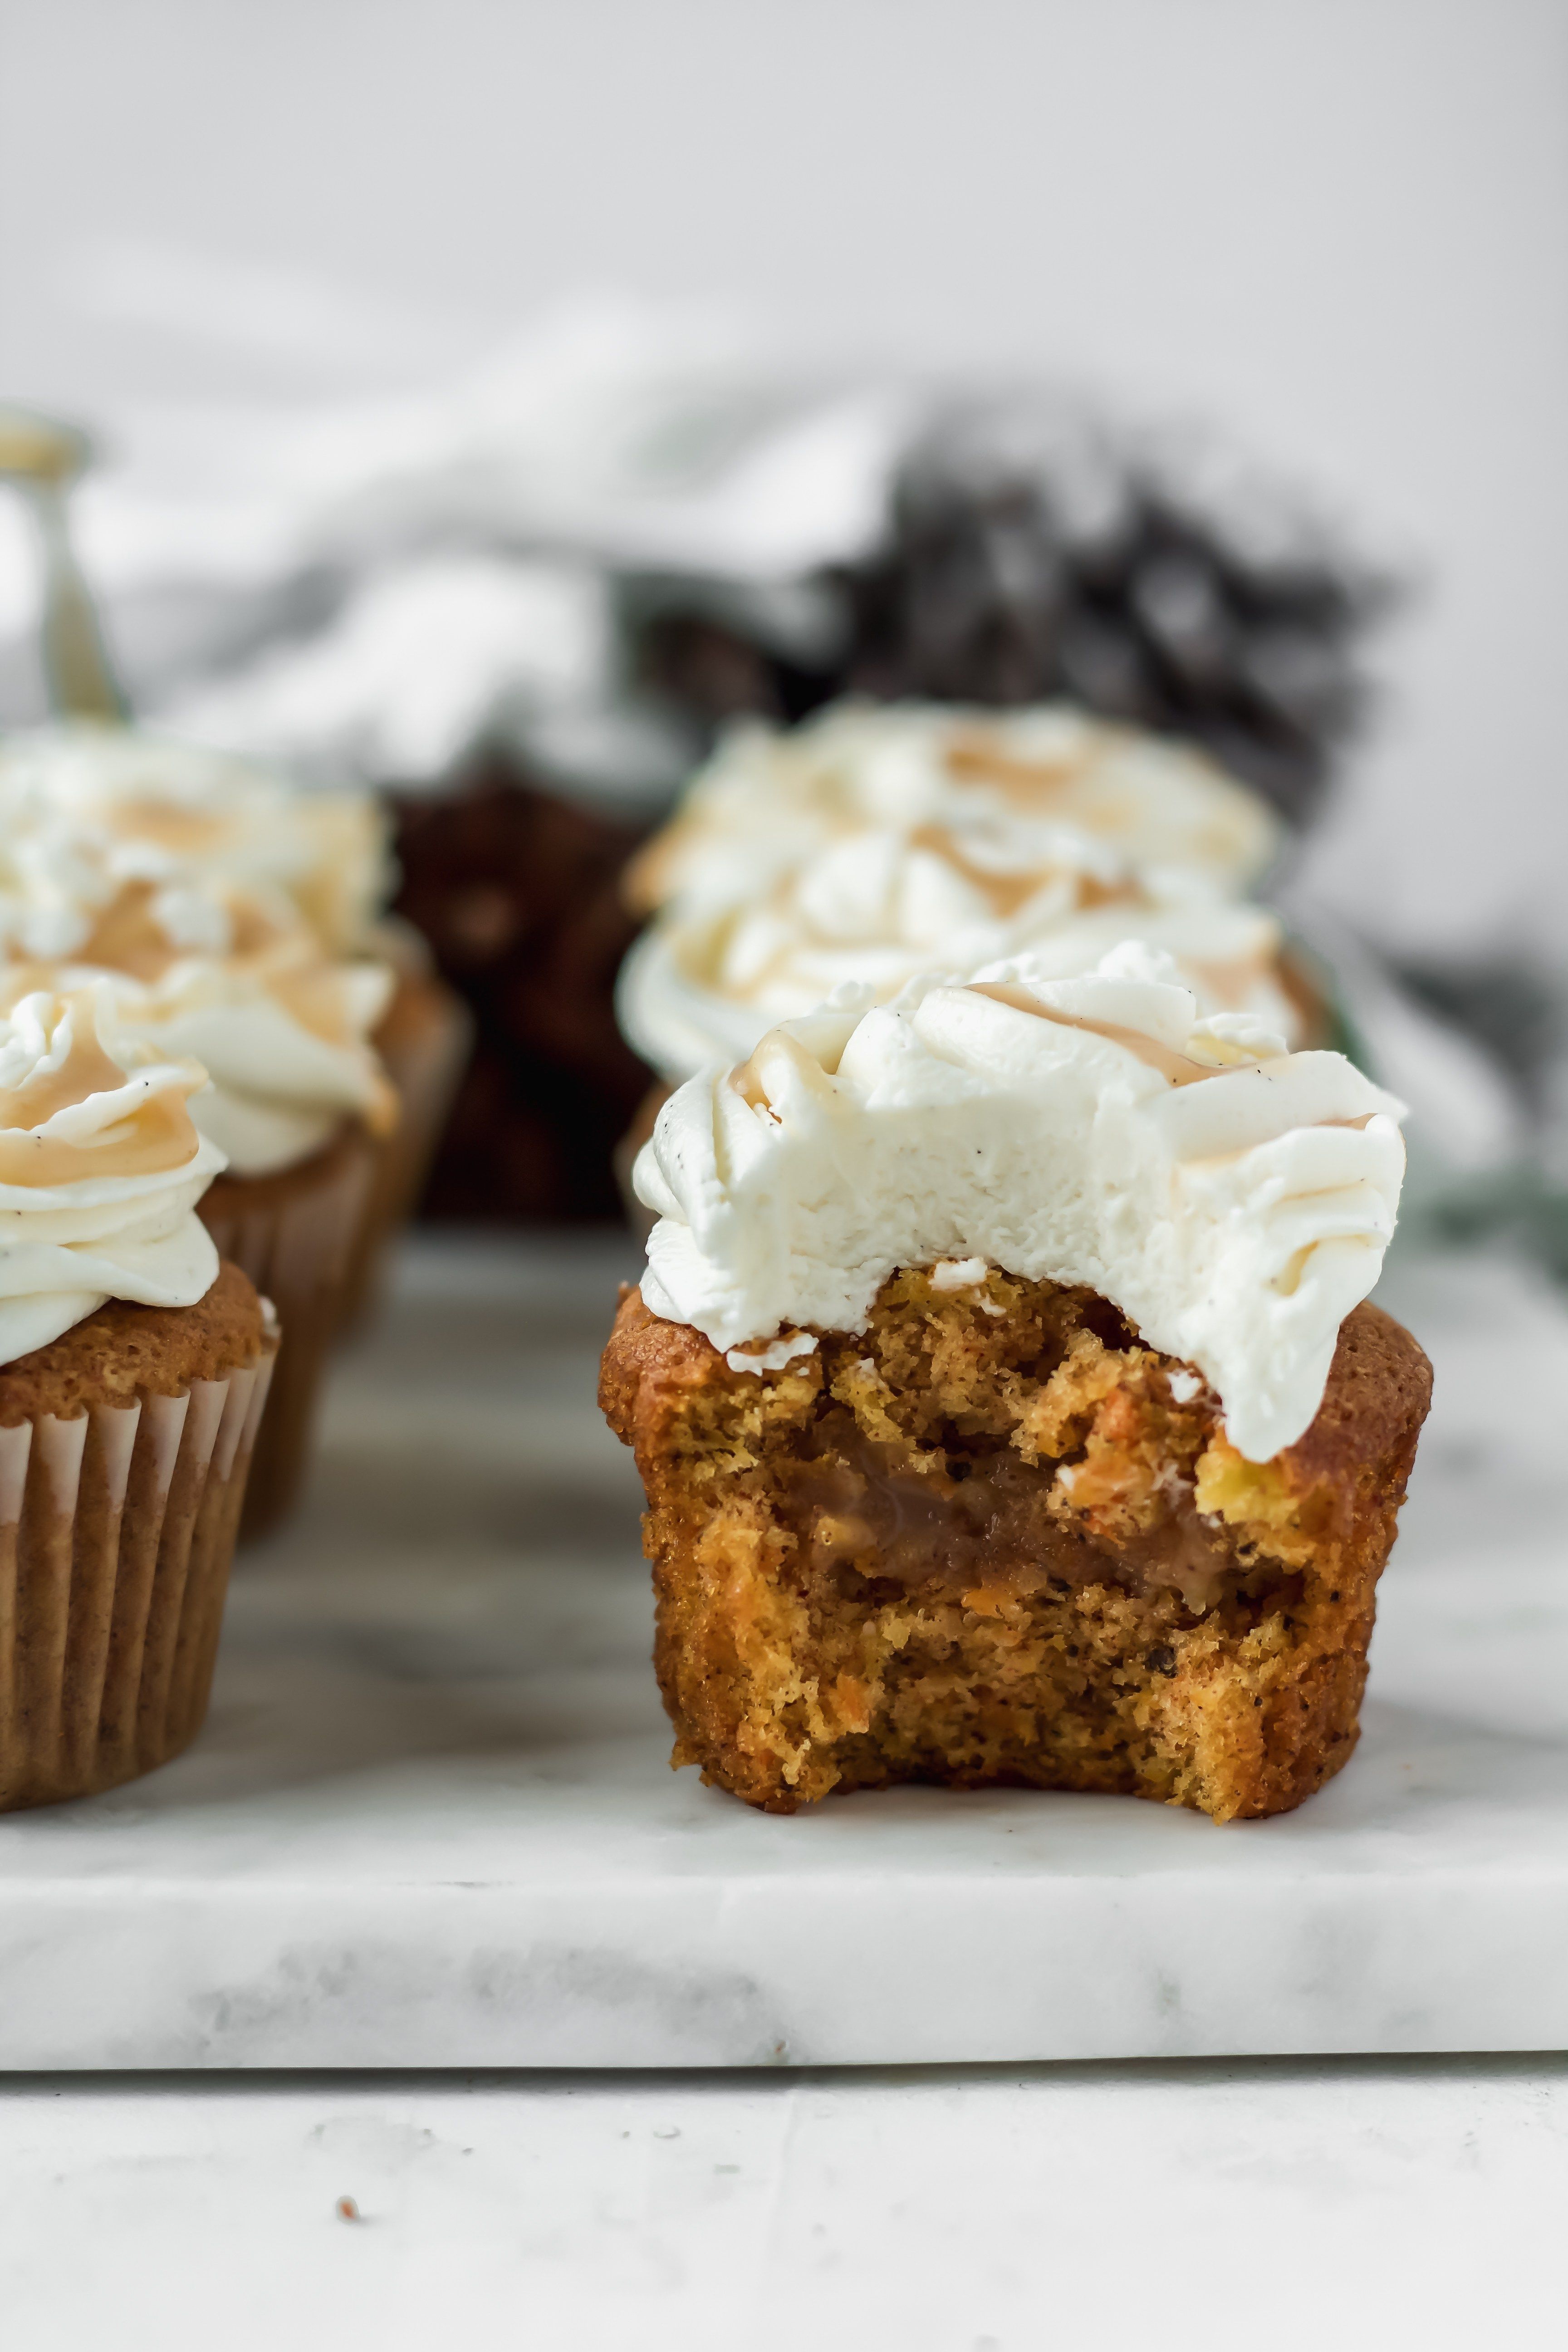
pixel 1007 1401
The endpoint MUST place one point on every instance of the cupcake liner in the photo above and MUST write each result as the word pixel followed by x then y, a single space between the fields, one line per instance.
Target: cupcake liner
pixel 116 1533
pixel 424 1042
pixel 295 1235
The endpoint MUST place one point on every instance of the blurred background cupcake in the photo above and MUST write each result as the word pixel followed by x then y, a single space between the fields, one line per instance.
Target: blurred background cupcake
pixel 133 1372
pixel 236 918
pixel 872 844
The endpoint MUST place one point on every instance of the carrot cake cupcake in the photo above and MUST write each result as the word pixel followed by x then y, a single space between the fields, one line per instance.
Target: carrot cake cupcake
pixel 1006 1398
pixel 179 816
pixel 296 1100
pixel 133 1368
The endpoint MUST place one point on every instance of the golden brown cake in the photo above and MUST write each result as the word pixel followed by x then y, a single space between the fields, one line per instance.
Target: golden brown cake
pixel 1007 1401
pixel 982 1541
pixel 124 1351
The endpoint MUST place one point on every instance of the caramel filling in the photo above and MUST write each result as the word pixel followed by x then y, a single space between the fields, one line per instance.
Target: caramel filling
pixel 987 1521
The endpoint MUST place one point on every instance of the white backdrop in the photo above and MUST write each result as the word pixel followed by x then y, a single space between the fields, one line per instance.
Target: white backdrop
pixel 1337 224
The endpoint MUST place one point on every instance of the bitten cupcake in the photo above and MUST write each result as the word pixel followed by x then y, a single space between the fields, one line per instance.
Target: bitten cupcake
pixel 133 1371
pixel 178 815
pixel 297 1101
pixel 1006 1400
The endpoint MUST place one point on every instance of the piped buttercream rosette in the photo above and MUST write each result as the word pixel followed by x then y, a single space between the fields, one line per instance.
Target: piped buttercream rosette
pixel 101 1167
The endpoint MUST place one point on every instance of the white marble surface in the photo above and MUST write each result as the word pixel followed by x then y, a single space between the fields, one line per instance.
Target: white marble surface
pixel 1359 2205
pixel 430 1822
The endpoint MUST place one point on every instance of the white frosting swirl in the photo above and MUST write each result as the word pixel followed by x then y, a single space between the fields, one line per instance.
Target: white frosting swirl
pixel 285 1040
pixel 231 975
pixel 282 1033
pixel 883 904
pixel 172 813
pixel 771 798
pixel 1232 1198
pixel 101 1170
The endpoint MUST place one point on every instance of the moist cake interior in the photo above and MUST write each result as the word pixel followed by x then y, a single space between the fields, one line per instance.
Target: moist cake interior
pixel 995 1538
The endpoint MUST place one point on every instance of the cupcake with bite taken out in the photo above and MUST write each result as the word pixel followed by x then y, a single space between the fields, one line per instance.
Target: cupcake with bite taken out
pixel 1007 1399
pixel 133 1372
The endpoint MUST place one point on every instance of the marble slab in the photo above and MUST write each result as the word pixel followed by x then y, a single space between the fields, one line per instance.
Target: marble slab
pixel 431 1821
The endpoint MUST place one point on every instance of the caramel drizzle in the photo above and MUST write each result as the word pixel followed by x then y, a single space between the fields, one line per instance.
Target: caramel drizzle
pixel 185 831
pixel 1008 892
pixel 1179 1069
pixel 155 1136
pixel 127 937
pixel 975 758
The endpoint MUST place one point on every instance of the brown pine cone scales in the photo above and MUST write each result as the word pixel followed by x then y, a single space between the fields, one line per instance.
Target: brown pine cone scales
pixel 1034 554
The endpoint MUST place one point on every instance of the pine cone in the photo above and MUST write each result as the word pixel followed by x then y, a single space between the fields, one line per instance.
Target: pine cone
pixel 1032 554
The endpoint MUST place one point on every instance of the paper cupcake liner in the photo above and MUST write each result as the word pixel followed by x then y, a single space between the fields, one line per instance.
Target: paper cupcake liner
pixel 294 1235
pixel 116 1533
pixel 425 1042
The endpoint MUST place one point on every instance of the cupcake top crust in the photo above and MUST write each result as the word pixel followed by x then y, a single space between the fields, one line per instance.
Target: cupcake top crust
pixel 1234 1200
pixel 101 1167
pixel 124 1351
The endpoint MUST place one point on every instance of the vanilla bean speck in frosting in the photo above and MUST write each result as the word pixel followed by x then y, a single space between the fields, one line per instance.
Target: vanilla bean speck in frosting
pixel 101 1170
pixel 1233 1199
